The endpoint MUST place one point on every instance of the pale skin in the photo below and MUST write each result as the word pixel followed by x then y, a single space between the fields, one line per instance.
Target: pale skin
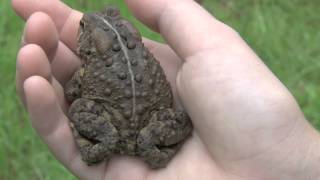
pixel 247 125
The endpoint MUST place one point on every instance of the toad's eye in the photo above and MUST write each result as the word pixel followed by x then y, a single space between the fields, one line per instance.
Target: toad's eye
pixel 81 24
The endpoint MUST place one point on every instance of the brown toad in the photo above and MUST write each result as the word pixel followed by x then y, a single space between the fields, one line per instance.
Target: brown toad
pixel 121 102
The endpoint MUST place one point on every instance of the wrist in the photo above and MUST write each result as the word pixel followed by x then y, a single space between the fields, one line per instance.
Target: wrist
pixel 312 159
pixel 307 152
pixel 301 160
pixel 295 158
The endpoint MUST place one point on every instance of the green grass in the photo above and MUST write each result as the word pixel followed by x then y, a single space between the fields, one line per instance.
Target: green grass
pixel 285 34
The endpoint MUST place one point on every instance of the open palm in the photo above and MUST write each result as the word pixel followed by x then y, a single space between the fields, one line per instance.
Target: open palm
pixel 245 120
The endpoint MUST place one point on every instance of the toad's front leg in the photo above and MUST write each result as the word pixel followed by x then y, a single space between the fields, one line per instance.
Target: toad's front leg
pixel 163 136
pixel 73 86
pixel 93 131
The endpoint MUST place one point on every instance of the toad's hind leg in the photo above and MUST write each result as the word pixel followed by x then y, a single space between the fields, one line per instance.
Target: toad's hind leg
pixel 93 131
pixel 163 136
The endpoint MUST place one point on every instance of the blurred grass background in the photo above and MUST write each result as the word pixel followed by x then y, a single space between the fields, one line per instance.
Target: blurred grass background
pixel 285 34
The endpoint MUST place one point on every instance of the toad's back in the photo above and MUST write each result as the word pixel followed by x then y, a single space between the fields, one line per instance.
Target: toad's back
pixel 119 71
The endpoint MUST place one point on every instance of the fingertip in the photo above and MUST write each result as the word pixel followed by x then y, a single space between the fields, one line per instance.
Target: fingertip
pixel 38 91
pixel 151 11
pixel 41 30
pixel 17 6
pixel 31 82
pixel 32 60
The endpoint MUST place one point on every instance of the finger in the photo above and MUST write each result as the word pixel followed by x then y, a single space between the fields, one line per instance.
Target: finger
pixel 151 44
pixel 64 64
pixel 65 19
pixel 187 27
pixel 40 29
pixel 31 61
pixel 52 125
pixel 56 9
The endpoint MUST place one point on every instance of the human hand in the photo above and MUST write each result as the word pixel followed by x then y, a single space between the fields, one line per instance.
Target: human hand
pixel 247 125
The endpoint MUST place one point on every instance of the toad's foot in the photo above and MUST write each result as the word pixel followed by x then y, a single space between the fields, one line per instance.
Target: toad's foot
pixel 161 139
pixel 94 134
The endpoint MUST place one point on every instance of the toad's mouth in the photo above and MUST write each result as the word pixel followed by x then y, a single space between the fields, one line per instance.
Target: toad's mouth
pixel 126 55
